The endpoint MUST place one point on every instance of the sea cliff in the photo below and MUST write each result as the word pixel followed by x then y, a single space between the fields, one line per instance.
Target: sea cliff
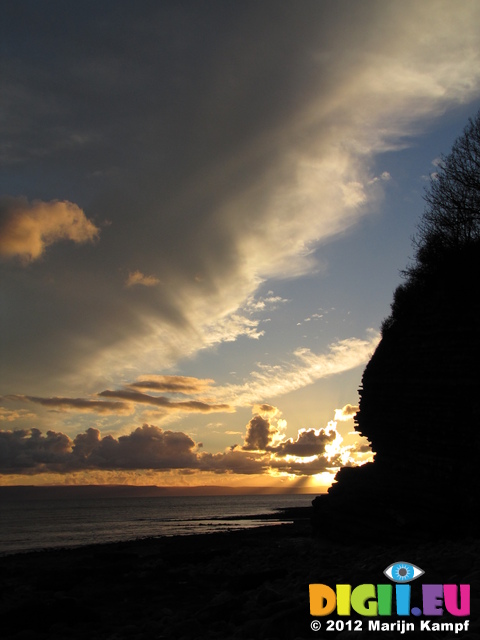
pixel 419 409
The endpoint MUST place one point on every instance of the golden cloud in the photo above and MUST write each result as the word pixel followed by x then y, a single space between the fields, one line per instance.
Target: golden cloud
pixel 27 229
pixel 346 412
pixel 172 384
pixel 28 451
pixel 10 415
pixel 138 278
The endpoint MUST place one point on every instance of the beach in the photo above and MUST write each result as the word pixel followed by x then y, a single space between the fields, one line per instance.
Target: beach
pixel 247 584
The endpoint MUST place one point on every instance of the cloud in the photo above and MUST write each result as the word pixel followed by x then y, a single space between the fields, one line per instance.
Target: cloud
pixel 385 177
pixel 166 403
pixel 225 147
pixel 266 381
pixel 265 450
pixel 27 229
pixel 81 405
pixel 265 408
pixel 364 448
pixel 259 434
pixel 138 278
pixel 300 467
pixel 147 447
pixel 172 384
pixel 10 415
pixel 346 412
pixel 28 451
pixel 234 461
pixel 271 381
pixel 129 397
pixel 308 443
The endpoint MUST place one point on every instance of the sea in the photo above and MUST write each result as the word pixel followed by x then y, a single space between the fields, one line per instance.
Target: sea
pixel 29 525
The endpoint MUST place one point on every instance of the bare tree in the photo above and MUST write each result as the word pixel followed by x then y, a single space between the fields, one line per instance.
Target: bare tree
pixel 447 241
pixel 451 218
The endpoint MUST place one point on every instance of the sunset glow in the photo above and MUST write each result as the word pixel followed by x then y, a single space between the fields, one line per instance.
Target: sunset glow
pixel 204 212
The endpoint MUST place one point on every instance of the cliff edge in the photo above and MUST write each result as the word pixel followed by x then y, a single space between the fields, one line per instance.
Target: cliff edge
pixel 419 404
pixel 419 398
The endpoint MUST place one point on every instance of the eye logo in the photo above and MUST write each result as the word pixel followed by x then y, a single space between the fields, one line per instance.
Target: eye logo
pixel 403 572
pixel 371 600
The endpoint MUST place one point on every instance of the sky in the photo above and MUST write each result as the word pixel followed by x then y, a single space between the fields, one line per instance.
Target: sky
pixel 205 208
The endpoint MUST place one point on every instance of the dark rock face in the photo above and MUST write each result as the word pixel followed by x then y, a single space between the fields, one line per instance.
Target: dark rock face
pixel 419 407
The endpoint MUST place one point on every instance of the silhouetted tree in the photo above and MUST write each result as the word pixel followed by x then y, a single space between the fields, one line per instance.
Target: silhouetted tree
pixel 451 220
pixel 447 242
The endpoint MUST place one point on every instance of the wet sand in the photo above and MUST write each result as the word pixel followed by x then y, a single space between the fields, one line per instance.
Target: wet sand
pixel 250 584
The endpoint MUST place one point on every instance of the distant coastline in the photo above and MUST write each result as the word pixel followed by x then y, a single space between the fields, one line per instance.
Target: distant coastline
pixel 52 492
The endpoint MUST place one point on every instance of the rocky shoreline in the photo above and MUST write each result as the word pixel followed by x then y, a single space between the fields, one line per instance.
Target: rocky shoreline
pixel 249 584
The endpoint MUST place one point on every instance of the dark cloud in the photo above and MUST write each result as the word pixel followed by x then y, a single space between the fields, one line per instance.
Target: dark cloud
pixel 364 448
pixel 148 110
pixel 148 447
pixel 178 74
pixel 266 408
pixel 312 467
pixel 234 461
pixel 28 451
pixel 200 132
pixel 128 397
pixel 79 404
pixel 259 434
pixel 172 384
pixel 210 147
pixel 166 403
pixel 309 442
